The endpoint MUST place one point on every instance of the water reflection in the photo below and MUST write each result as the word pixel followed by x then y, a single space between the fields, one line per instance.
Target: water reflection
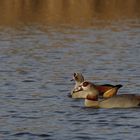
pixel 76 12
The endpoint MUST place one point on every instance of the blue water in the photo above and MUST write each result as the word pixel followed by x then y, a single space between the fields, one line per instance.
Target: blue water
pixel 36 66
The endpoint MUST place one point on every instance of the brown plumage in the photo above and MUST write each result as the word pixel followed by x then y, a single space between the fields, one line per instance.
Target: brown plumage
pixel 105 91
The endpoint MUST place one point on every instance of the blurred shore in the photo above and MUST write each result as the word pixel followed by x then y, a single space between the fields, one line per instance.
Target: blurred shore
pixel 74 12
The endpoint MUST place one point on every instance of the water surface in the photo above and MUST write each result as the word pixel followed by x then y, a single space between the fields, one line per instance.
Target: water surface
pixel 41 46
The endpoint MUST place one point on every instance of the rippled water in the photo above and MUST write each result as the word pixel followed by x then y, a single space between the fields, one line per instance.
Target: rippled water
pixel 35 71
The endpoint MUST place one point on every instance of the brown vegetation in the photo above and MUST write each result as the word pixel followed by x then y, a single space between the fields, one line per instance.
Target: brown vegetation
pixel 66 11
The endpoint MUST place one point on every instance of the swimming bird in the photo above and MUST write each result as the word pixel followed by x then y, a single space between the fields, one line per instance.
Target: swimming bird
pixel 105 91
pixel 118 101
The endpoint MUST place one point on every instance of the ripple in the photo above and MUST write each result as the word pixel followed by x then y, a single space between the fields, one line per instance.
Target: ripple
pixel 28 80
pixel 24 117
pixel 86 137
pixel 31 134
pixel 4 132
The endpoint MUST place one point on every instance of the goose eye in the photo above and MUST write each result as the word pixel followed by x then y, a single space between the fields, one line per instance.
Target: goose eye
pixel 85 84
pixel 74 74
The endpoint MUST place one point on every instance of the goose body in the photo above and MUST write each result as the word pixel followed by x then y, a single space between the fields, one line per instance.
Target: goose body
pixel 118 101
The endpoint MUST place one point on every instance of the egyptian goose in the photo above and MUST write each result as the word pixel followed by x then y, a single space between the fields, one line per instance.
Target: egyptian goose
pixel 105 91
pixel 118 101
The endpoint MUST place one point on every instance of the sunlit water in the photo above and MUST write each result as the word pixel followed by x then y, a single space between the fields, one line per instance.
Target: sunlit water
pixel 36 65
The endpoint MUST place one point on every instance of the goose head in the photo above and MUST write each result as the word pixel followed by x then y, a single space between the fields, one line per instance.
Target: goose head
pixel 78 78
pixel 85 90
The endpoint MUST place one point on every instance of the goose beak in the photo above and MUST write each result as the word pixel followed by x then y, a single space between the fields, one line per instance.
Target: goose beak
pixel 72 80
pixel 78 89
pixel 69 95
